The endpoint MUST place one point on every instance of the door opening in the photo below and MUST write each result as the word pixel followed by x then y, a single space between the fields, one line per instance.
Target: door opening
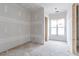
pixel 57 29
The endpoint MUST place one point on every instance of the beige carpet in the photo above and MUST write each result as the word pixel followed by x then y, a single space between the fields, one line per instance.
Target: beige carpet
pixel 50 48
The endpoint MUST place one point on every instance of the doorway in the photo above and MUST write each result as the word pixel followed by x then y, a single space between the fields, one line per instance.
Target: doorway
pixel 57 27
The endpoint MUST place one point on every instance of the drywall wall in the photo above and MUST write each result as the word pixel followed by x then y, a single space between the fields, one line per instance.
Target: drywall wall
pixel 14 26
pixel 69 26
pixel 56 16
pixel 37 26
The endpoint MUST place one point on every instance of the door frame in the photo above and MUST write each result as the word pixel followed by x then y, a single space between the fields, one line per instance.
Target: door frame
pixel 74 28
pixel 46 28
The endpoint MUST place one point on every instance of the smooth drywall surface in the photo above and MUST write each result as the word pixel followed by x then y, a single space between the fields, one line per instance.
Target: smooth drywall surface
pixel 14 26
pixel 37 26
pixel 69 26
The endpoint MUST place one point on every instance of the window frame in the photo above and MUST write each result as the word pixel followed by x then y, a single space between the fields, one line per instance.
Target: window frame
pixel 56 28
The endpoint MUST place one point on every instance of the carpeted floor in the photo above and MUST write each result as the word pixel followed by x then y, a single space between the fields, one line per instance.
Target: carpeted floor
pixel 50 48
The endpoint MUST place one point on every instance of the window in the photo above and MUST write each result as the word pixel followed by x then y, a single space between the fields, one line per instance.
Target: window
pixel 60 31
pixel 53 31
pixel 60 23
pixel 53 27
pixel 57 27
pixel 53 23
pixel 61 26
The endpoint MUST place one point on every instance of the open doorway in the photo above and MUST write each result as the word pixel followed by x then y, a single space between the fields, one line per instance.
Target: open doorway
pixel 57 29
pixel 60 26
pixel 57 26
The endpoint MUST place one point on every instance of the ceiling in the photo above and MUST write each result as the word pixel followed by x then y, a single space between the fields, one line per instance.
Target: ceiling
pixel 30 6
pixel 48 7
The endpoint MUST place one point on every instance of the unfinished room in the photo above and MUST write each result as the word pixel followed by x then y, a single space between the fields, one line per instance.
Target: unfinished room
pixel 39 29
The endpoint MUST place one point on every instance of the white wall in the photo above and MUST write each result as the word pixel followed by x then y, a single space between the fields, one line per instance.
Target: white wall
pixel 14 26
pixel 69 26
pixel 37 26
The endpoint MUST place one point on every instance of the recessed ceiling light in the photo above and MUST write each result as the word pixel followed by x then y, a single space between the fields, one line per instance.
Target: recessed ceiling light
pixel 56 10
